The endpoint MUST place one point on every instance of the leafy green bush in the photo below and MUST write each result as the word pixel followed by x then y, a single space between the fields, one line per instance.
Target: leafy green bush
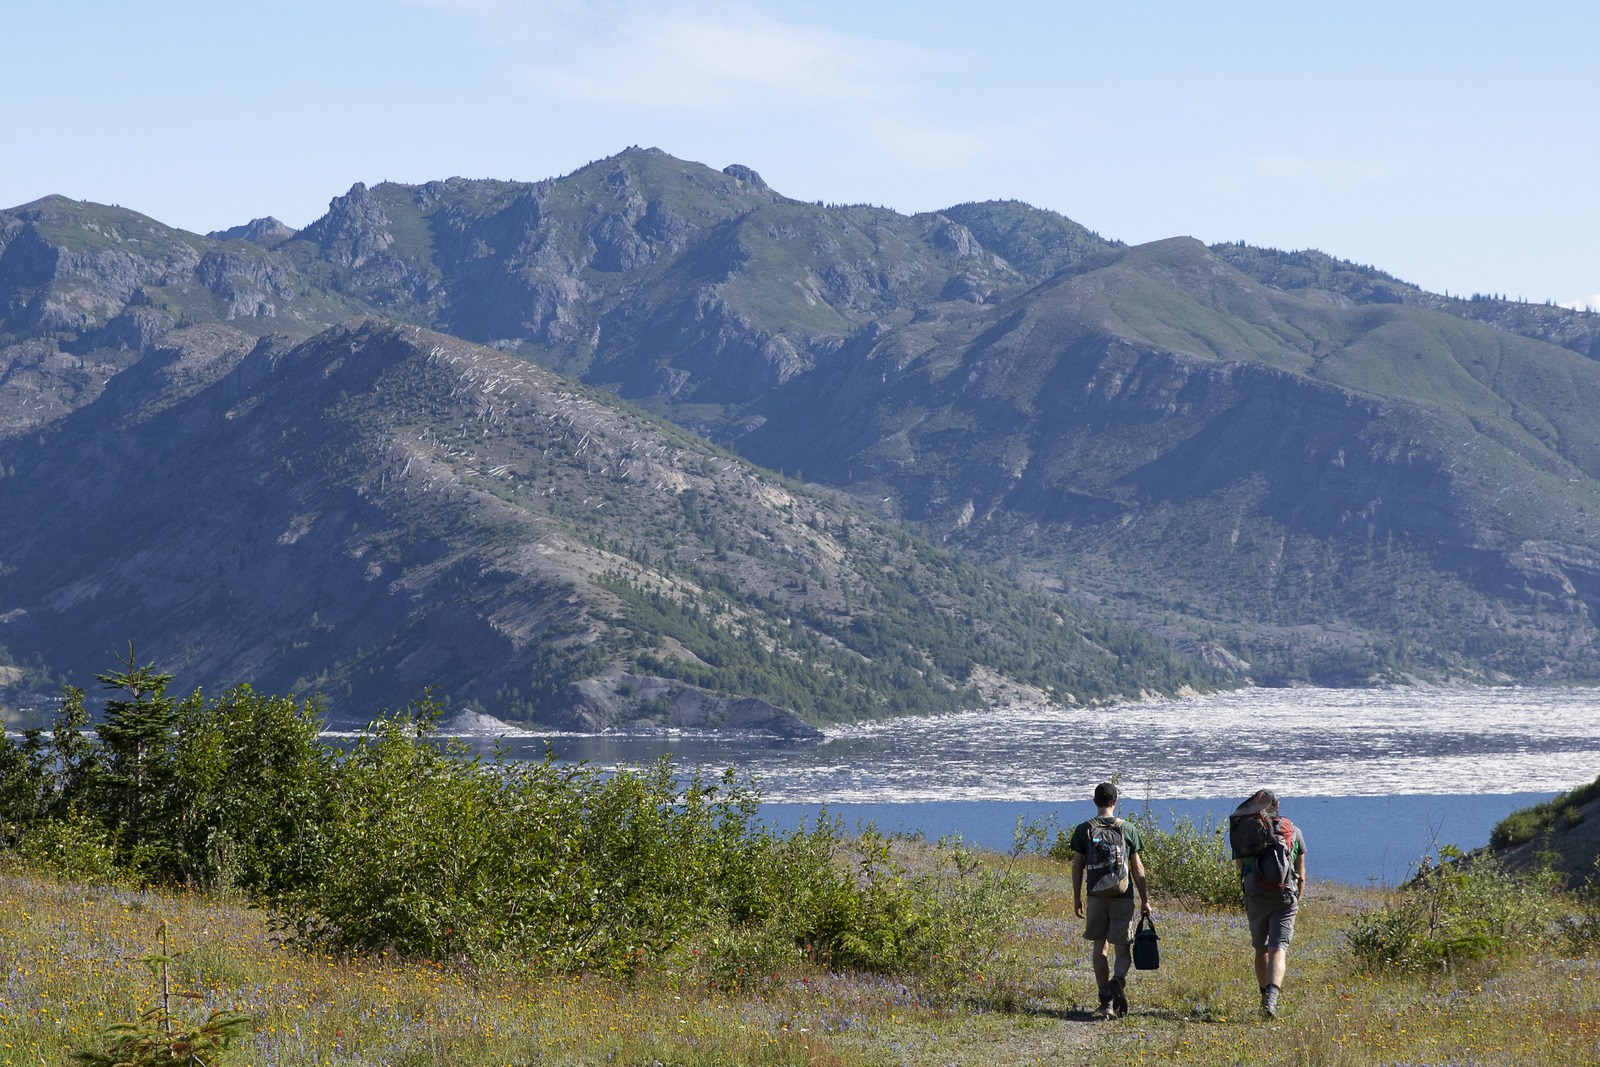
pixel 1526 824
pixel 433 852
pixel 1188 862
pixel 436 853
pixel 1461 909
pixel 74 847
pixel 250 792
pixel 403 842
pixel 209 793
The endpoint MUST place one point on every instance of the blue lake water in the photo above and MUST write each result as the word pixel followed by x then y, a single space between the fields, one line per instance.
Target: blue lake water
pixel 1359 840
pixel 1374 777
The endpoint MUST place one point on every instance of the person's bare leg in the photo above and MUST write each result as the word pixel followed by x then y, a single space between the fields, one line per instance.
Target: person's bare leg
pixel 1119 980
pixel 1270 966
pixel 1102 974
pixel 1277 964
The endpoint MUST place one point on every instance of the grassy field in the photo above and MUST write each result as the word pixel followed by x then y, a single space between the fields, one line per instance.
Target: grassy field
pixel 68 953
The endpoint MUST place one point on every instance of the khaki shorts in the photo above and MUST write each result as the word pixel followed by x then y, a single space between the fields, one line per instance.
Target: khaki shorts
pixel 1109 919
pixel 1271 919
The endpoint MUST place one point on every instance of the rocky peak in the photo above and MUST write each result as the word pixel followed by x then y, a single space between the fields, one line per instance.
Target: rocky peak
pixel 267 232
pixel 741 173
pixel 354 230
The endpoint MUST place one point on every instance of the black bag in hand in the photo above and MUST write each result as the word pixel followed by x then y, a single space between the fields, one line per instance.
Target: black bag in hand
pixel 1146 946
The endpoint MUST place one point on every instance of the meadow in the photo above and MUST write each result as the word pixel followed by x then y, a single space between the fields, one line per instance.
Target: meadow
pixel 406 902
pixel 69 951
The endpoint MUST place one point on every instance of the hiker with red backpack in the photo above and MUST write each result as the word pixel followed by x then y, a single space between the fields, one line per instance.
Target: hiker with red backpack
pixel 1106 855
pixel 1270 854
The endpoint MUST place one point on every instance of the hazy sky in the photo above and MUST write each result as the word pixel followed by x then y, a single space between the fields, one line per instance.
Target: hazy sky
pixel 1456 145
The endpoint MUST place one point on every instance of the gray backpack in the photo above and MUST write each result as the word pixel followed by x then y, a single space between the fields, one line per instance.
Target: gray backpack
pixel 1106 859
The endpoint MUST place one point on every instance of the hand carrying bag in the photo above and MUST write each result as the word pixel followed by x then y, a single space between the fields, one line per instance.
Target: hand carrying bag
pixel 1146 946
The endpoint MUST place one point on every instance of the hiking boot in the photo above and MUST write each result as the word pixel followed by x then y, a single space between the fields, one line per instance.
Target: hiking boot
pixel 1269 1002
pixel 1107 997
pixel 1119 997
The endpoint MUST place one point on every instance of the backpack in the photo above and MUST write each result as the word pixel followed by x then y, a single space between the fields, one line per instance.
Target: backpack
pixel 1267 841
pixel 1106 859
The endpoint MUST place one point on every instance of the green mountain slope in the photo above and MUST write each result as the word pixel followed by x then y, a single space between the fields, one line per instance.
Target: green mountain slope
pixel 1340 493
pixel 381 508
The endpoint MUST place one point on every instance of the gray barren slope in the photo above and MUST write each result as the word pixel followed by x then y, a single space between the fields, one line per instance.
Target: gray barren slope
pixel 381 508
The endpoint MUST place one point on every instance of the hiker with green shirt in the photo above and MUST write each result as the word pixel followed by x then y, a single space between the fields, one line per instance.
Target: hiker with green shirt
pixel 1106 855
pixel 1270 854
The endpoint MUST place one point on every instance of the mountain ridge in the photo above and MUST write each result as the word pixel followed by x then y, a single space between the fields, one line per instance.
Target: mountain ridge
pixel 1296 462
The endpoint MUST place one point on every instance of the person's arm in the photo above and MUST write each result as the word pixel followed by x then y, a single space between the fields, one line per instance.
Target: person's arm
pixel 1078 861
pixel 1136 868
pixel 1300 867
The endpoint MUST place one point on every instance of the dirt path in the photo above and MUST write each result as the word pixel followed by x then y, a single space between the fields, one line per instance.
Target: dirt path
pixel 1042 1036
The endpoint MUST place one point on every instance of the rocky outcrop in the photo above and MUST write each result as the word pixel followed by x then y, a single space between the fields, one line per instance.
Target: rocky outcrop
pixel 721 351
pixel 252 283
pixel 354 232
pixel 267 232
pixel 742 173
pixel 634 701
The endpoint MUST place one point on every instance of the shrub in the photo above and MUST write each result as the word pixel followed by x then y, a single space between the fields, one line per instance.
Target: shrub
pixel 1526 824
pixel 1189 862
pixel 74 847
pixel 436 853
pixel 251 780
pixel 855 903
pixel 402 842
pixel 1460 909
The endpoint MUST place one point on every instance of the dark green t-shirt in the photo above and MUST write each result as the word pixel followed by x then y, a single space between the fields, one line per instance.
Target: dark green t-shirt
pixel 1132 842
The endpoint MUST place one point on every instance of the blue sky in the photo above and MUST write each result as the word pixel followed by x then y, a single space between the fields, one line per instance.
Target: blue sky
pixel 1456 145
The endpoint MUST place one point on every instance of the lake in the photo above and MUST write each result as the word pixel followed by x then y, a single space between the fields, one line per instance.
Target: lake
pixel 1373 776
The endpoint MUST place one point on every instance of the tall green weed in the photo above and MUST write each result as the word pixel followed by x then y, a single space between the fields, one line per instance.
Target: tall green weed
pixel 1190 861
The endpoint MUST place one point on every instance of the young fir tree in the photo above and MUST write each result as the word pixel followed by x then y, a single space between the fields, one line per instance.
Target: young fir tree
pixel 136 739
pixel 76 756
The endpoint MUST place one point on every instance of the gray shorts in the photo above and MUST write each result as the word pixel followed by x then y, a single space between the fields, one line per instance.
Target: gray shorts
pixel 1109 919
pixel 1271 920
